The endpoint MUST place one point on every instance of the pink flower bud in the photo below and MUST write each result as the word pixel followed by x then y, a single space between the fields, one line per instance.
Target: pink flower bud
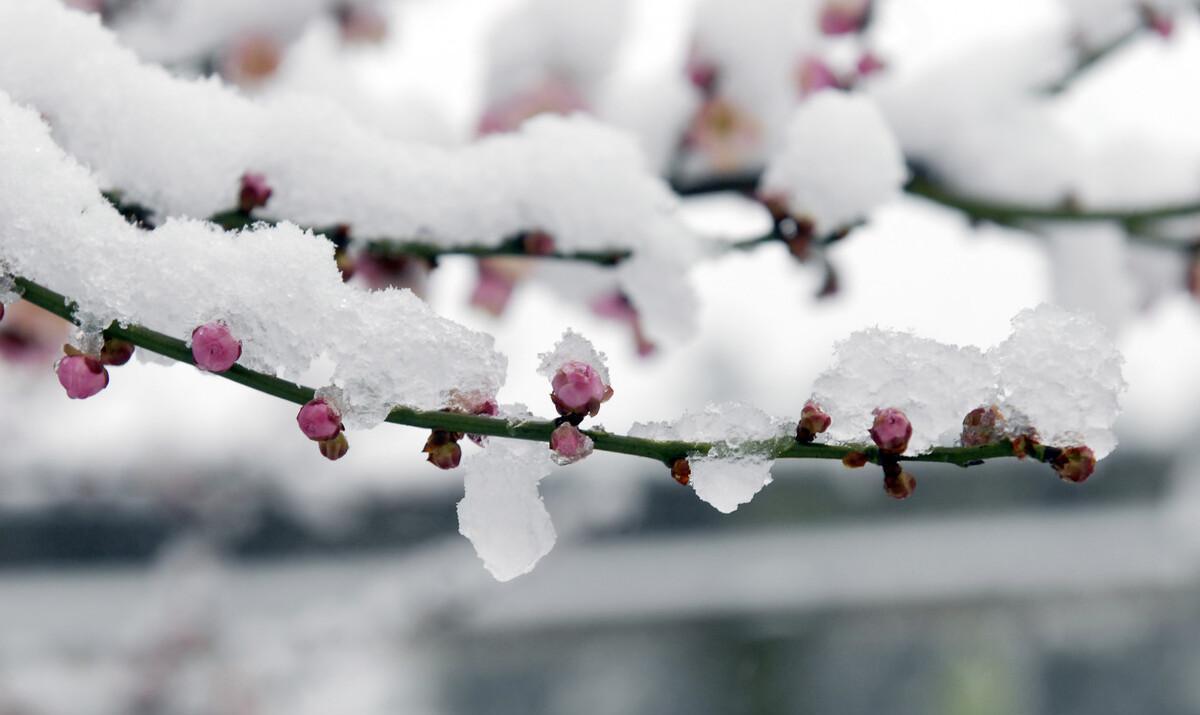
pixel 361 23
pixel 891 431
pixel 725 135
pixel 116 352
pixel 982 425
pixel 813 421
pixel 1025 444
pixel 538 243
pixel 898 483
pixel 251 59
pixel 813 75
pixel 214 348
pixel 442 449
pixel 552 96
pixel 868 64
pixel 681 471
pixel 1161 23
pixel 702 74
pixel 334 449
pixel 494 287
pixel 578 389
pixel 842 17
pixel 1074 464
pixel 81 376
pixel 255 192
pixel 319 421
pixel 569 444
pixel 488 408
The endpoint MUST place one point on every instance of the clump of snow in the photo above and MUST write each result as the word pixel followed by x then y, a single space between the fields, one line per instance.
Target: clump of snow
pixel 1063 372
pixel 934 384
pixel 1059 373
pixel 575 41
pixel 502 512
pixel 739 465
pixel 180 147
pixel 174 31
pixel 839 161
pixel 276 288
pixel 573 347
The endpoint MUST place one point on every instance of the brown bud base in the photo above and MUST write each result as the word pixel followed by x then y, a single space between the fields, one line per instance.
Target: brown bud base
pixel 681 471
pixel 442 449
pixel 897 483
pixel 116 352
pixel 334 449
pixel 854 460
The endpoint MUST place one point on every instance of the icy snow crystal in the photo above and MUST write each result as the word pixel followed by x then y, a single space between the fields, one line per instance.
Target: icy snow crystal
pixel 934 384
pixel 1063 372
pixel 1060 372
pixel 501 511
pixel 839 161
pixel 573 347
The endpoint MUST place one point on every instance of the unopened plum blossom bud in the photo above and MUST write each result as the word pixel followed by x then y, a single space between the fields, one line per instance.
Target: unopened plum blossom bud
pixel 538 243
pixel 1024 444
pixel 569 445
pixel 681 471
pixel 442 449
pixel 251 59
pixel 1160 22
pixel 319 420
pixel 360 23
pixel 898 483
pixel 702 73
pixel 116 352
pixel 81 376
pixel 891 430
pixel 334 449
pixel 214 348
pixel 552 96
pixel 982 425
pixel 1074 464
pixel 497 279
pixel 578 389
pixel 724 134
pixel 842 17
pixel 254 193
pixel 854 460
pixel 813 421
pixel 813 75
pixel 869 64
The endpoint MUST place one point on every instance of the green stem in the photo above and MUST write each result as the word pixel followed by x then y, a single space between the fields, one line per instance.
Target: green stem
pixel 665 451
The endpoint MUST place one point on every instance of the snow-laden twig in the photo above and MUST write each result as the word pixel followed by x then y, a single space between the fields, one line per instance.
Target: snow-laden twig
pixel 665 451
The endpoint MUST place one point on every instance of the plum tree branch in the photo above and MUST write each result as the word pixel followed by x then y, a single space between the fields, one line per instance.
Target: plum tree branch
pixel 665 451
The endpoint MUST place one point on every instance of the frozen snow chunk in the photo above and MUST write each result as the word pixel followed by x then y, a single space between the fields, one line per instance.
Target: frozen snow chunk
pixel 934 384
pixel 1063 372
pixel 573 347
pixel 277 288
pixel 502 512
pixel 739 464
pixel 839 161
pixel 728 483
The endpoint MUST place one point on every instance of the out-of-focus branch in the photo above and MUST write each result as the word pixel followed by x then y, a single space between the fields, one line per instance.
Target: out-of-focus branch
pixel 666 452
